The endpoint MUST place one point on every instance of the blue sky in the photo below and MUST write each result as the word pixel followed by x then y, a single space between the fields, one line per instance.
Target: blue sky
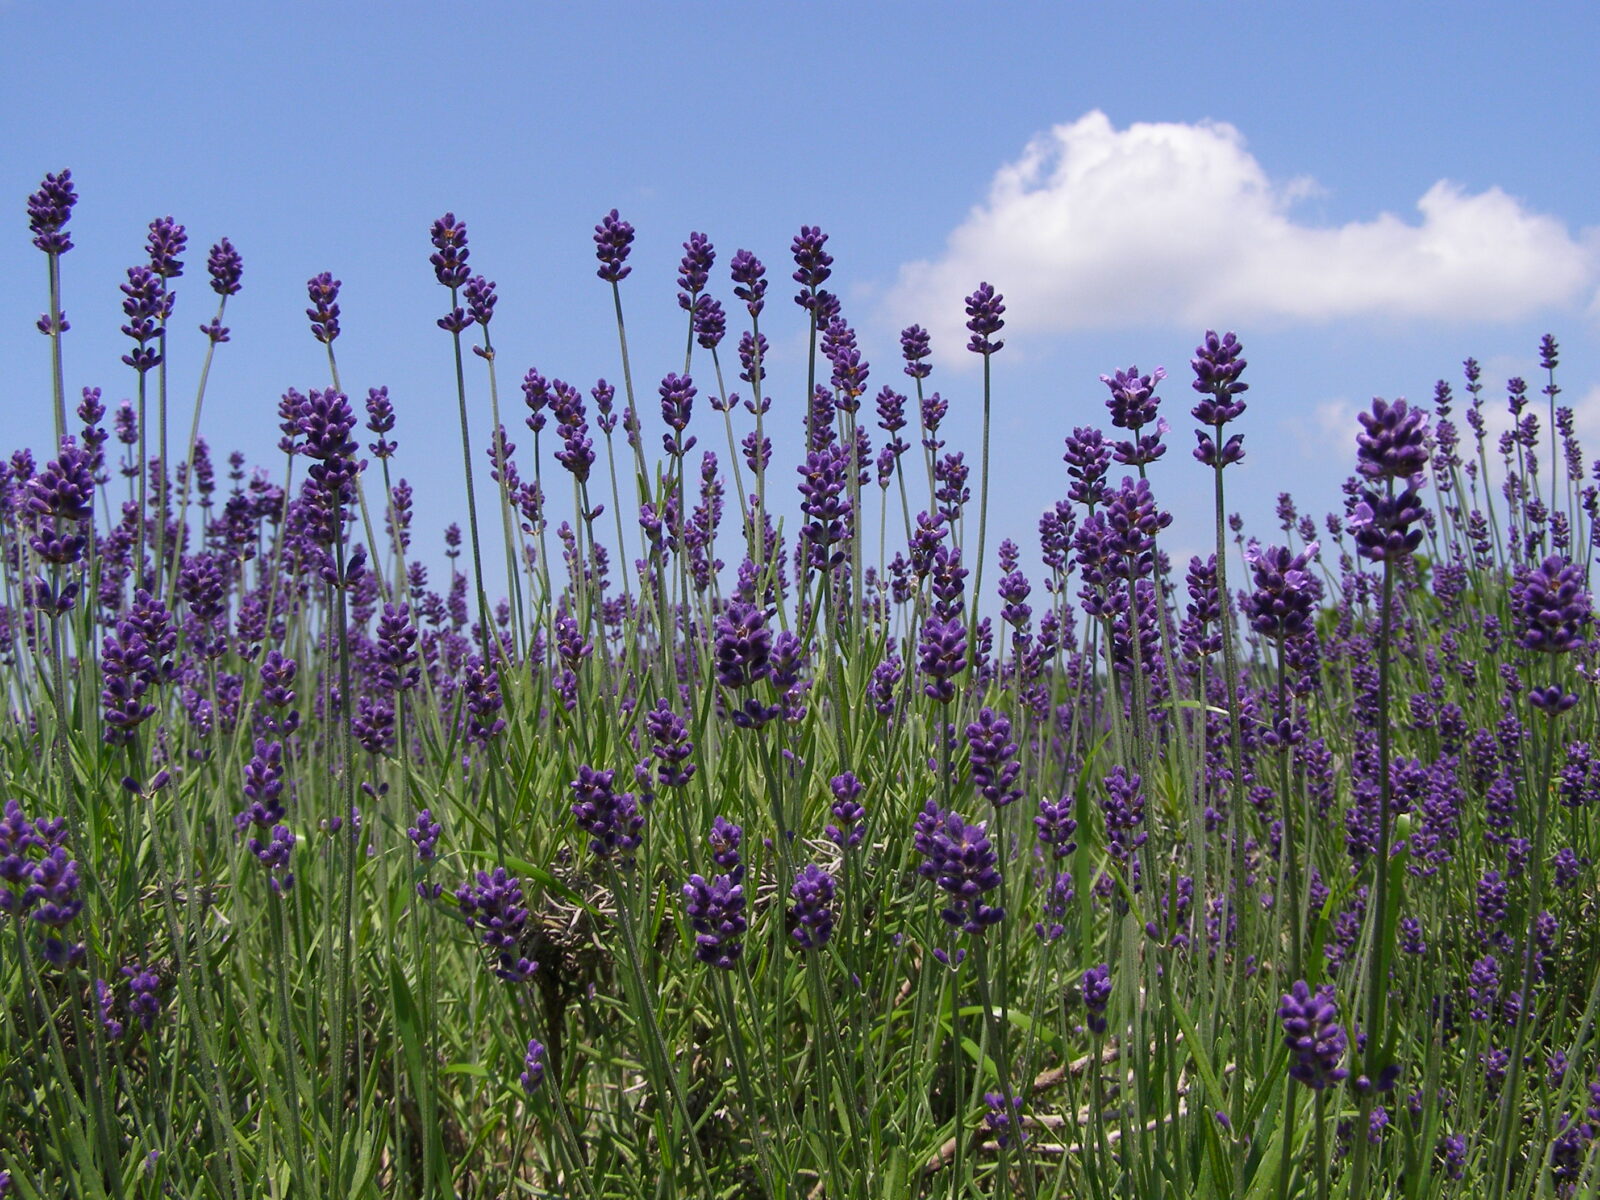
pixel 1366 193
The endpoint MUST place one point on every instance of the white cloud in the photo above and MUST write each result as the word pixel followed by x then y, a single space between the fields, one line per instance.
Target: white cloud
pixel 1095 227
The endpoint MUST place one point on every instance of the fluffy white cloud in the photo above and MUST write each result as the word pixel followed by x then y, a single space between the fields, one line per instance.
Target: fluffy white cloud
pixel 1095 227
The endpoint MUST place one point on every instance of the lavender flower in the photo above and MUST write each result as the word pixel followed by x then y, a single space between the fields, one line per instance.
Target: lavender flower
pixel 167 240
pixel 493 907
pixel 994 758
pixel 146 304
pixel 749 283
pixel 48 211
pixel 1552 606
pixel 915 349
pixel 226 267
pixel 1096 989
pixel 716 912
pixel 532 1067
pixel 1286 595
pixel 813 266
pixel 943 655
pixel 1004 1118
pixel 611 819
pixel 1393 441
pixel 694 270
pixel 961 860
pixel 481 299
pixel 1217 367
pixel 424 835
pixel 323 290
pixel 672 747
pixel 1055 825
pixel 847 811
pixel 449 259
pixel 812 914
pixel 613 240
pixel 983 319
pixel 1313 1035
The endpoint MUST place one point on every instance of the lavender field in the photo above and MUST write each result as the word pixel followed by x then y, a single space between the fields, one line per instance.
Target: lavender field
pixel 699 823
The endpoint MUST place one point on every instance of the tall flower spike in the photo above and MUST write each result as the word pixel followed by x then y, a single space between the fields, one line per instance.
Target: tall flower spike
pixel 167 240
pixel 449 259
pixel 323 291
pixel 749 282
pixel 225 267
pixel 613 240
pixel 1312 1032
pixel 1392 443
pixel 812 914
pixel 716 912
pixel 1285 600
pixel 48 210
pixel 983 319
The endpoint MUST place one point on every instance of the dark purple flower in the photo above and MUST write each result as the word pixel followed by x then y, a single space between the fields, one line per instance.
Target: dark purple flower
pixel 613 239
pixel 1382 525
pixel 263 788
pixel 481 299
pixel 710 322
pixel 167 240
pixel 425 835
pixel 1056 826
pixel 716 912
pixel 677 404
pixel 847 811
pixel 146 304
pixel 812 914
pixel 672 746
pixel 48 211
pixel 942 652
pixel 64 490
pixel 749 283
pixel 743 645
pixel 694 270
pixel 824 478
pixel 1285 600
pixel 1096 989
pixel 724 841
pixel 226 268
pixel 983 319
pixel 380 420
pixel 143 1001
pixel 1217 367
pixel 915 349
pixel 961 860
pixel 1313 1035
pixel 493 907
pixel 994 758
pixel 532 1067
pixel 1393 441
pixel 449 259
pixel 323 290
pixel 611 819
pixel 1088 458
pixel 1004 1118
pixel 274 854
pixel 813 265
pixel 1552 606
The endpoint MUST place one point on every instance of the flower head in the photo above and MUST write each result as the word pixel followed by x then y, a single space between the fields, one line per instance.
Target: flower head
pixel 449 259
pixel 983 319
pixel 613 239
pixel 48 210
pixel 1312 1032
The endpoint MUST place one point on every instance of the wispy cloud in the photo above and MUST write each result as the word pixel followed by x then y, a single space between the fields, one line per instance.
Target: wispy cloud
pixel 1095 227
